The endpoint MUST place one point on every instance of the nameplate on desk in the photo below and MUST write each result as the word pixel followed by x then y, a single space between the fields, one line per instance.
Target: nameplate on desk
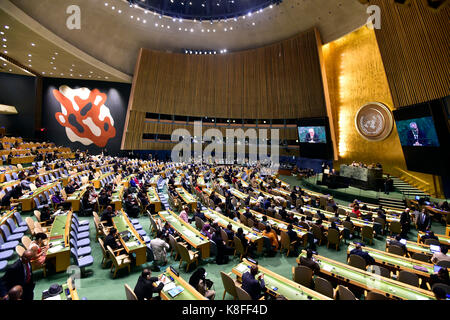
pixel 175 272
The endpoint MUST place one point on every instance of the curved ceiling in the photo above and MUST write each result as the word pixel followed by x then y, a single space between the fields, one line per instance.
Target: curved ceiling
pixel 113 32
pixel 203 9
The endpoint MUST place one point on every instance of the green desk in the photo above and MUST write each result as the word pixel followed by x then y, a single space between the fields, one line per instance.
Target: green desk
pixel 75 198
pixel 134 244
pixel 188 293
pixel 27 199
pixel 412 247
pixel 154 180
pixel 154 198
pixel 187 232
pixel 286 287
pixel 369 281
pixel 223 221
pixel 201 182
pixel 187 198
pixel 59 253
pixel 279 225
pixel 242 196
pixel 6 215
pixel 396 262
pixel 443 239
pixel 222 183
pixel 116 197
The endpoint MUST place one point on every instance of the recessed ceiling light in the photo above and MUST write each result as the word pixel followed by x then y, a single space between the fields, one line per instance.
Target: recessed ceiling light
pixel 4 39
pixel 29 55
pixel 10 70
pixel 54 68
pixel 32 44
pixel 2 33
pixel 6 52
pixel 53 58
pixel 56 53
pixel 51 62
pixel 71 70
pixel 6 27
pixel 5 46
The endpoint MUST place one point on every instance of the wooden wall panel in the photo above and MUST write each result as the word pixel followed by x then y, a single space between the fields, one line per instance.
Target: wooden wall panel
pixel 414 45
pixel 278 81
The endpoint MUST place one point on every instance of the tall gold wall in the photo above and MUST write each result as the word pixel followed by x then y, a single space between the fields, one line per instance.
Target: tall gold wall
pixel 356 76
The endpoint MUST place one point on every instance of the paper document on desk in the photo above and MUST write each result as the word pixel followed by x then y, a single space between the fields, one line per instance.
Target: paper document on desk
pixel 132 244
pixel 55 249
pixel 327 268
pixel 189 233
pixel 242 268
pixel 58 297
pixel 169 286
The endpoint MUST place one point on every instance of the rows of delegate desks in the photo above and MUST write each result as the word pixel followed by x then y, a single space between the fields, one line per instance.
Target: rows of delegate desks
pixel 394 262
pixel 351 276
pixel 279 285
pixel 27 199
pixel 251 235
pixel 191 235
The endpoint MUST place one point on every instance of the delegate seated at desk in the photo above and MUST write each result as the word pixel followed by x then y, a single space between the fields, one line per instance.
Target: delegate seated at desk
pixel 363 254
pixel 309 262
pixel 107 216
pixel 254 287
pixel 145 287
pixel 112 241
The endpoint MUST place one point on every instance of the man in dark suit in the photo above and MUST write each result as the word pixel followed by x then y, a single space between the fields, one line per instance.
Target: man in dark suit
pixel 112 241
pixel 19 273
pixel 107 216
pixel 309 262
pixel 424 221
pixel 415 136
pixel 311 136
pixel 381 213
pixel 428 235
pixel 145 286
pixel 396 242
pixel 254 287
pixel 363 254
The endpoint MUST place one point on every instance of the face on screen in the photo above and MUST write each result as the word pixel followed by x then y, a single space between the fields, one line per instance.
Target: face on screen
pixel 419 132
pixel 312 135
